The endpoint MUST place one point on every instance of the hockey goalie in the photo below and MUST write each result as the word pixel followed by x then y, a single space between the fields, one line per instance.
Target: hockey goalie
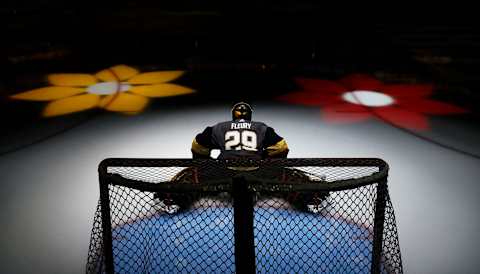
pixel 239 139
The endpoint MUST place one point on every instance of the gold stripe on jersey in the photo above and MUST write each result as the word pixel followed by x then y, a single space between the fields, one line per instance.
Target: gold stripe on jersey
pixel 277 148
pixel 198 148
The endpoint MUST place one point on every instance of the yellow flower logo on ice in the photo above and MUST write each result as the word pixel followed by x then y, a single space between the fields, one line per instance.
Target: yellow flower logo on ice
pixel 120 88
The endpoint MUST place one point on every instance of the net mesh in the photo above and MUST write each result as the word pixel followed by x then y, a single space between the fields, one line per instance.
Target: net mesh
pixel 309 216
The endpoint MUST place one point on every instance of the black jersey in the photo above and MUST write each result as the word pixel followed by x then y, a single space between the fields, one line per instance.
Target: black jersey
pixel 239 139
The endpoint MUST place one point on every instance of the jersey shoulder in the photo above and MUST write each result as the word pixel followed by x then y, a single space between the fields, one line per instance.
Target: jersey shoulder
pixel 258 123
pixel 222 124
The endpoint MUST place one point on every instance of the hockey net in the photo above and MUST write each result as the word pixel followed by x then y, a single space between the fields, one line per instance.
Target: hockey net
pixel 272 216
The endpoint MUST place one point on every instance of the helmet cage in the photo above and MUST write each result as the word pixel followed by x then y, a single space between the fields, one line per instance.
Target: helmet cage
pixel 242 110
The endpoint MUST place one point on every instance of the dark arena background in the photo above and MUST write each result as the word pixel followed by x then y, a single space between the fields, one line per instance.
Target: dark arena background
pixel 139 79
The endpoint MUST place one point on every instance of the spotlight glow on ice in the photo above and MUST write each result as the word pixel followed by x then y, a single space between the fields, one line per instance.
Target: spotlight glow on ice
pixel 107 88
pixel 368 98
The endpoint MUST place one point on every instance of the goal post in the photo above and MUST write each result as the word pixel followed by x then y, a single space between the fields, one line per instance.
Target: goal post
pixel 328 215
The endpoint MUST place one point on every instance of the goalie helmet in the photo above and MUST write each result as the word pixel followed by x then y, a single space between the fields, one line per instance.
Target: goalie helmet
pixel 242 110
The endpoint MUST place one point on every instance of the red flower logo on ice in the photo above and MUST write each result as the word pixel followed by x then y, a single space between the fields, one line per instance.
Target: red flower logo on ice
pixel 359 97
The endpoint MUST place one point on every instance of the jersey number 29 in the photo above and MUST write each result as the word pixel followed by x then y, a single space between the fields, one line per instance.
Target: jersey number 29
pixel 246 140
